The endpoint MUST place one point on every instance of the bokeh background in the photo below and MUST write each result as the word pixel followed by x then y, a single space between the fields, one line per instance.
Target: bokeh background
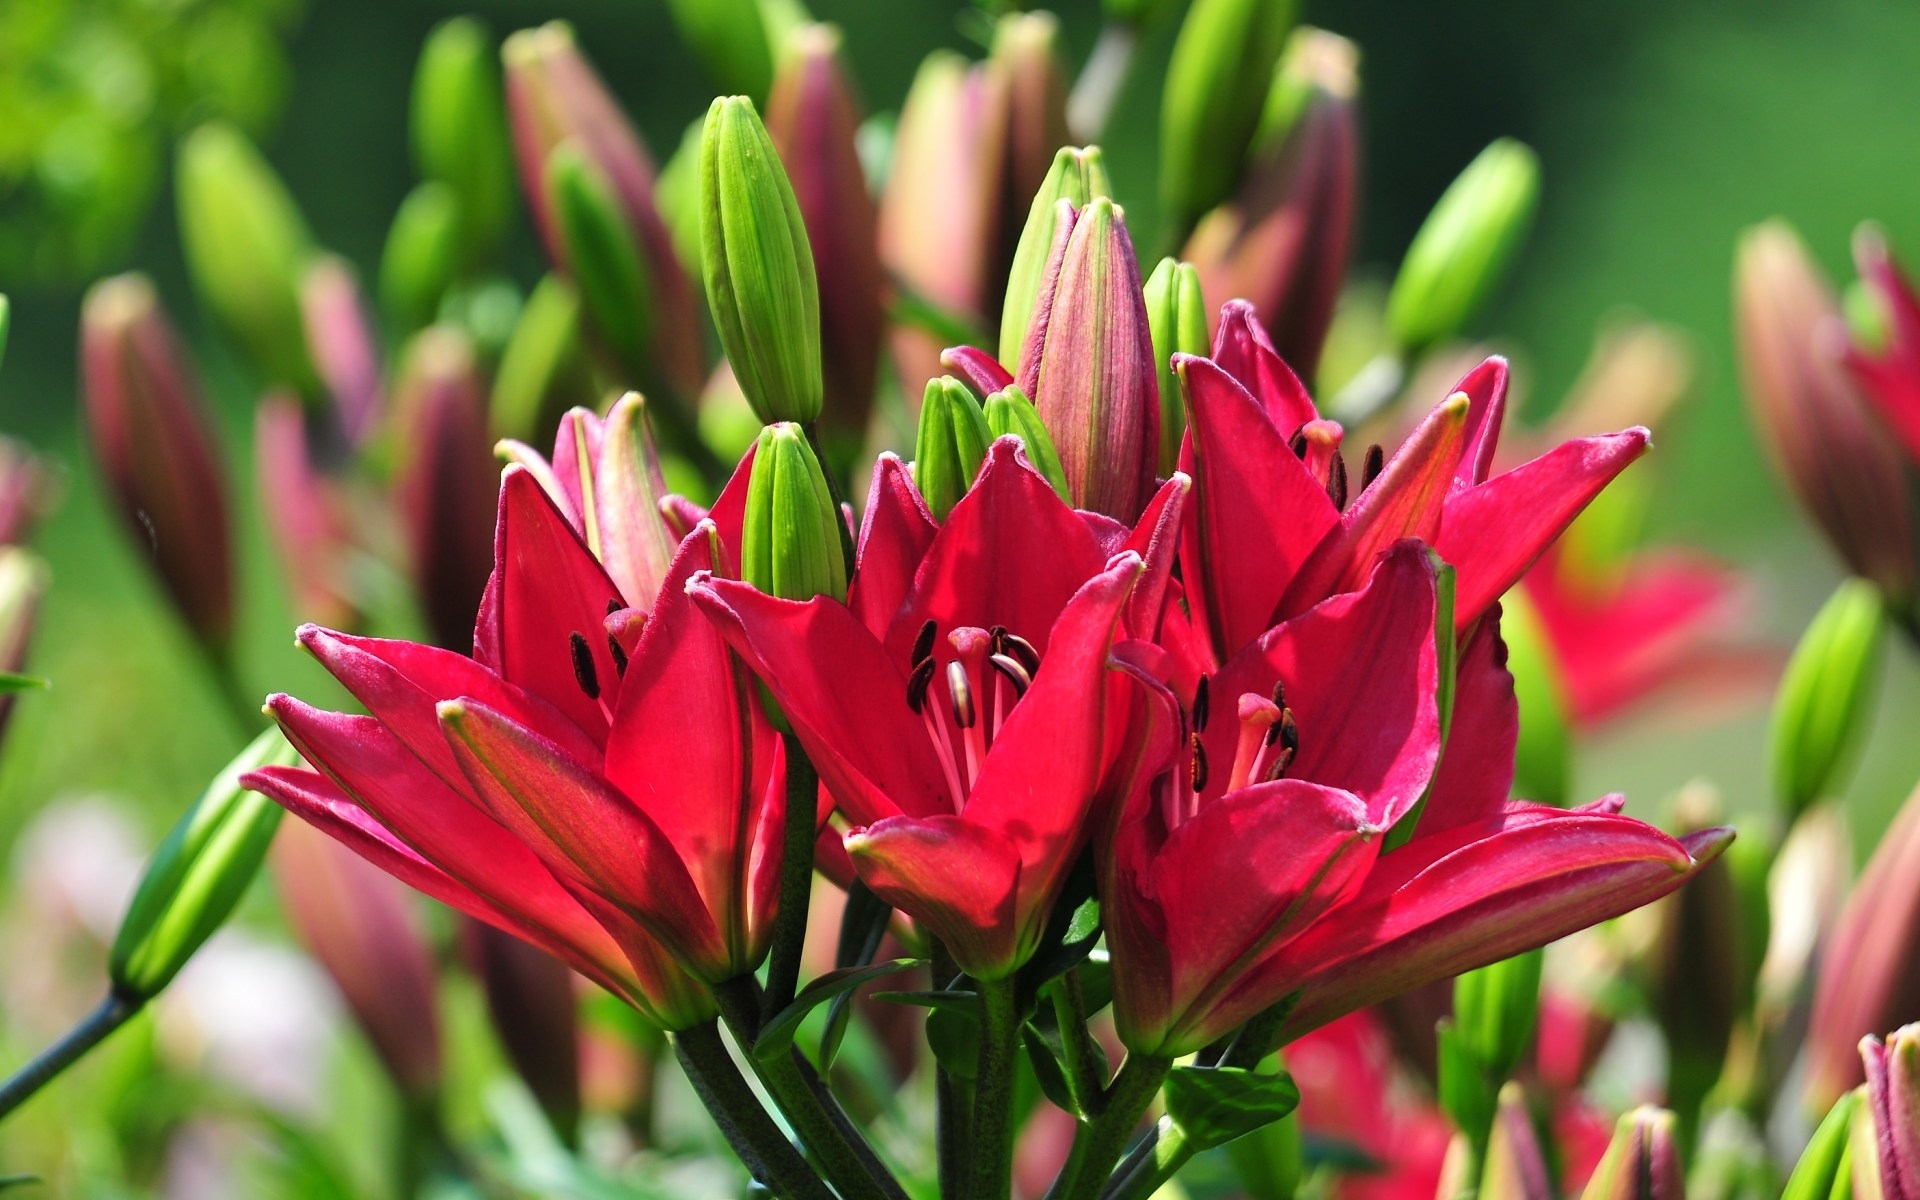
pixel 1664 129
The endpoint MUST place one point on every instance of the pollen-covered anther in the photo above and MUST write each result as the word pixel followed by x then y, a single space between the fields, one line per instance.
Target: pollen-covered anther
pixel 1013 672
pixel 918 682
pixel 960 692
pixel 1196 764
pixel 618 655
pixel 1202 704
pixel 584 673
pixel 923 643
pixel 1337 481
pixel 1283 742
pixel 1376 462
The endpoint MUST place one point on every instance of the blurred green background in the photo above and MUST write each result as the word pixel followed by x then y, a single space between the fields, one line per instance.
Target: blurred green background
pixel 1664 129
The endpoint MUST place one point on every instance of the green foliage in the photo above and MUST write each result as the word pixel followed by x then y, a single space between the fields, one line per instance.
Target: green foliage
pixel 1214 1105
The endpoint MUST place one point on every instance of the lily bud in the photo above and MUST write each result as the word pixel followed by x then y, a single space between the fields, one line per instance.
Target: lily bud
pixel 553 95
pixel 1464 247
pixel 1869 978
pixel 304 516
pixel 678 196
pixel 27 491
pixel 421 256
pixel 1078 175
pixel 1010 413
pixel 1027 115
pixel 1825 1169
pixel 1088 364
pixel 730 39
pixel 1284 239
pixel 247 247
pixel 1893 1107
pixel 814 122
pixel 198 874
pixel 1494 1009
pixel 950 446
pixel 1642 1162
pixel 1827 445
pixel 600 256
pixel 759 266
pixel 1177 319
pixel 360 924
pixel 1216 84
pixel 157 450
pixel 790 544
pixel 460 131
pixel 1826 698
pixel 341 343
pixel 23 584
pixel 1515 1169
pixel 446 485
pixel 543 371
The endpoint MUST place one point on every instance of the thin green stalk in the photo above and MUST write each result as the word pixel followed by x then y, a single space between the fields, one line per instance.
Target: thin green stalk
pixel 1086 1079
pixel 1098 1144
pixel 112 1013
pixel 993 1084
pixel 855 1171
pixel 1157 1158
pixel 953 1106
pixel 796 880
pixel 736 1110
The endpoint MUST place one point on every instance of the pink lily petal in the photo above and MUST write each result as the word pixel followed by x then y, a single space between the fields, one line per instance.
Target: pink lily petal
pixel 893 540
pixel 981 370
pixel 910 862
pixel 1486 390
pixel 1476 768
pixel 1242 349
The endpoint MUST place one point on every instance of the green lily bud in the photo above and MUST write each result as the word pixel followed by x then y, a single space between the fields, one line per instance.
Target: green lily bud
pixel 790 545
pixel 730 39
pixel 951 444
pixel 1494 1009
pixel 460 131
pixel 1464 246
pixel 246 247
pixel 1078 174
pixel 1825 1169
pixel 1177 319
pixel 1215 91
pixel 759 265
pixel 1514 1168
pixel 601 257
pixel 1543 759
pixel 1826 697
pixel 198 874
pixel 677 196
pixel 422 255
pixel 1008 411
pixel 1642 1162
pixel 543 371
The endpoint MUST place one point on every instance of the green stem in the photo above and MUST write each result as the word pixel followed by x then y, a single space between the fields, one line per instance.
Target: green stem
pixel 736 1110
pixel 112 1013
pixel 1086 1079
pixel 855 1171
pixel 1157 1159
pixel 796 880
pixel 1099 1143
pixel 953 1107
pixel 993 1084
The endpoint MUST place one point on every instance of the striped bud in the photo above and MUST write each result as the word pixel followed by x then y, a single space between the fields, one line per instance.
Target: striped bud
pixel 1078 174
pixel 1464 247
pixel 1210 108
pixel 1642 1162
pixel 1826 698
pixel 1010 413
pixel 1177 319
pixel 790 544
pixel 600 256
pixel 950 445
pixel 460 132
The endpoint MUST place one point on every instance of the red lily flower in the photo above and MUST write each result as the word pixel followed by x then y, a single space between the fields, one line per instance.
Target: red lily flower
pixel 1271 531
pixel 592 757
pixel 1225 890
pixel 967 764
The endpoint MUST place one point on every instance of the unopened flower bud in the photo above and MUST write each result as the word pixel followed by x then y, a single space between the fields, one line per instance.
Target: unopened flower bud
pixel 677 195
pixel 1642 1162
pixel 1464 247
pixel 790 544
pixel 1891 1156
pixel 28 491
pixel 23 584
pixel 543 371
pixel 340 341
pixel 447 482
pixel 197 875
pixel 1216 85
pixel 1825 1169
pixel 360 924
pixel 421 256
pixel 460 131
pixel 1026 125
pixel 1177 318
pixel 157 450
pixel 1826 698
pixel 731 41
pixel 759 266
pixel 600 256
pixel 1514 1169
pixel 950 446
pixel 814 122
pixel 1010 413
pixel 246 246
pixel 1088 364
pixel 304 515
pixel 1494 1009
pixel 1079 175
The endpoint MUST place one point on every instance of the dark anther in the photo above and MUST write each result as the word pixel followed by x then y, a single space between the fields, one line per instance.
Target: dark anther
pixel 1337 481
pixel 1280 694
pixel 619 655
pixel 917 684
pixel 1022 649
pixel 960 691
pixel 583 672
pixel 1197 768
pixel 996 639
pixel 1202 705
pixel 1298 442
pixel 1016 674
pixel 923 644
pixel 1376 462
pixel 615 605
pixel 1286 732
pixel 1281 762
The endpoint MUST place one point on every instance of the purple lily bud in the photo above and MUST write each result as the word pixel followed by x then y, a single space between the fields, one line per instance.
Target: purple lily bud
pixel 341 342
pixel 1893 1103
pixel 305 516
pixel 156 450
pixel 1642 1162
pixel 27 491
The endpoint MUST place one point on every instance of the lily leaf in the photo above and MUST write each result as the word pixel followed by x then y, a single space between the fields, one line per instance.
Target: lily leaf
pixel 775 1039
pixel 1212 1106
pixel 12 681
pixel 1048 1070
pixel 862 927
pixel 14 1181
pixel 939 1001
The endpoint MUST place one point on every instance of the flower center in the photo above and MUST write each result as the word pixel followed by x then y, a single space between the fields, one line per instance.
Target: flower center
pixel 1317 444
pixel 1269 739
pixel 580 652
pixel 988 673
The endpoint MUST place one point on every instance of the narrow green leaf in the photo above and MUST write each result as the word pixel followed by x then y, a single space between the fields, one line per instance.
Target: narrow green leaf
pixel 778 1034
pixel 863 925
pixel 1213 1106
pixel 12 681
pixel 952 1001
pixel 1048 1069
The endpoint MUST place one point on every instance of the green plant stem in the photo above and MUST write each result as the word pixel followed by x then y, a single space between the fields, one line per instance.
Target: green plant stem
pixel 993 1083
pixel 796 880
pixel 855 1171
pixel 1157 1158
pixel 1086 1079
pixel 112 1013
pixel 748 1129
pixel 953 1107
pixel 1099 1143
